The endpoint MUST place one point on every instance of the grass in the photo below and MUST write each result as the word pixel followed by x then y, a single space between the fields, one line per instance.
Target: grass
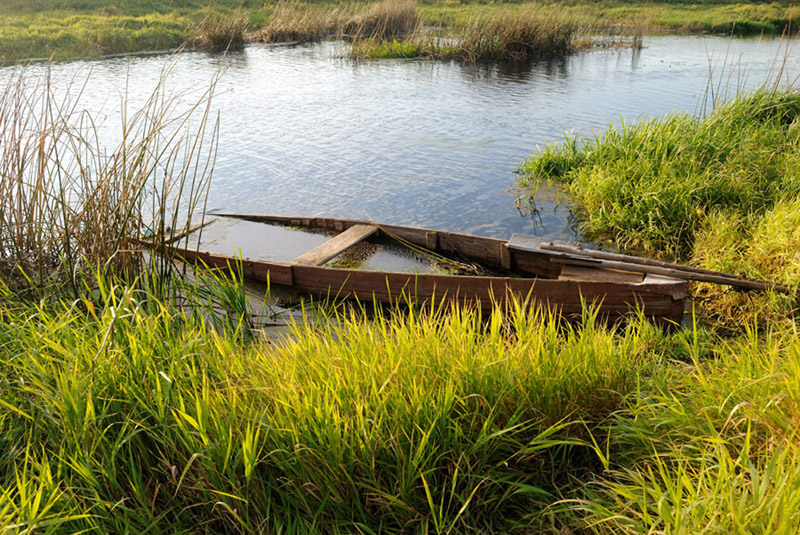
pixel 296 22
pixel 119 417
pixel 392 49
pixel 499 36
pixel 725 17
pixel 132 401
pixel 77 28
pixel 719 191
pixel 220 33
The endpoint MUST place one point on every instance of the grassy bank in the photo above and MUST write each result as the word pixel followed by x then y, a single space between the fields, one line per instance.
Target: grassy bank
pixel 72 28
pixel 65 29
pixel 726 18
pixel 120 418
pixel 720 192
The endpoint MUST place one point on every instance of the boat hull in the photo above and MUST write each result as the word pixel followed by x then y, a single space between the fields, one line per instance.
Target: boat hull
pixel 662 300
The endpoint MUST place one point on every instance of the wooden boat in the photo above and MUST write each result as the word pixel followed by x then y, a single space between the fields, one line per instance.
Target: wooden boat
pixel 488 270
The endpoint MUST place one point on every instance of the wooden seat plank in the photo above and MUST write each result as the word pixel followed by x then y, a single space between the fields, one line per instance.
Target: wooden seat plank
pixel 335 246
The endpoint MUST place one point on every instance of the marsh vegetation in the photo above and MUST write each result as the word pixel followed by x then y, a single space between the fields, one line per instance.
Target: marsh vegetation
pixel 129 403
pixel 124 409
pixel 71 28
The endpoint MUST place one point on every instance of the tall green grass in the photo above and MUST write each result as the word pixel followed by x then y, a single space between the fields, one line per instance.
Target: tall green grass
pixel 707 446
pixel 120 415
pixel 126 418
pixel 651 184
pixel 719 191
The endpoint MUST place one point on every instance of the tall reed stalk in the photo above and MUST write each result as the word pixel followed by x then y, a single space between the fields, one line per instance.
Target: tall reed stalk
pixel 69 205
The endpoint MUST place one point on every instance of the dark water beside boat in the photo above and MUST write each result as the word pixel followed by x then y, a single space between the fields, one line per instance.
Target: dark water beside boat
pixel 432 144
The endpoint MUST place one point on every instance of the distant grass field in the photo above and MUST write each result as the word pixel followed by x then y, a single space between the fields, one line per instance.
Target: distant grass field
pixel 75 28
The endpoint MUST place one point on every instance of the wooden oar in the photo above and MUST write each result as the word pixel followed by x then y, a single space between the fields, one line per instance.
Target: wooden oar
pixel 646 265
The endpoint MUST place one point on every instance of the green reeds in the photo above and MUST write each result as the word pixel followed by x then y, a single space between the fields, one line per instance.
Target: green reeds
pixel 71 207
pixel 710 445
pixel 651 184
pixel 132 418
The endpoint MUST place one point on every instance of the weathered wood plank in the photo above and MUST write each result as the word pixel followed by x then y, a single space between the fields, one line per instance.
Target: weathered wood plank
pixel 335 246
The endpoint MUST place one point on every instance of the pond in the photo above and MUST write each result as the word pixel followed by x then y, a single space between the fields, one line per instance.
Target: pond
pixel 433 144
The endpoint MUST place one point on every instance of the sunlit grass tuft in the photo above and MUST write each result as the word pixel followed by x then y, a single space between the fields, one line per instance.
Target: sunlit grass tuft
pixel 118 416
pixel 439 421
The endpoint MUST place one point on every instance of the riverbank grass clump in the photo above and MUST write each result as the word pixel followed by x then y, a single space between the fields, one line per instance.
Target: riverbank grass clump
pixel 295 22
pixel 216 32
pixel 515 37
pixel 501 36
pixel 714 190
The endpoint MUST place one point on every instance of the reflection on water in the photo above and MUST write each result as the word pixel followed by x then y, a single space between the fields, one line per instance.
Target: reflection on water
pixel 432 144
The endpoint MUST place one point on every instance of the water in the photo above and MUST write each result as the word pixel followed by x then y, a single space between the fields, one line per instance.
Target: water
pixel 433 144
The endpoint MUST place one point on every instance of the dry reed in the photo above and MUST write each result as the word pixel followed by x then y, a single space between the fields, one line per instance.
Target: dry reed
pixel 69 206
pixel 515 37
pixel 217 32
pixel 298 22
pixel 387 20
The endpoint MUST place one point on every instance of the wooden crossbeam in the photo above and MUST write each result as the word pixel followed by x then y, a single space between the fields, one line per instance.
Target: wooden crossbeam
pixel 335 246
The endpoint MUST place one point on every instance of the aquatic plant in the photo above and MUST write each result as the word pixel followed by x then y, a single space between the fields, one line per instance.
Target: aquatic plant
pixel 118 417
pixel 501 36
pixel 70 207
pixel 300 22
pixel 70 28
pixel 515 37
pixel 385 21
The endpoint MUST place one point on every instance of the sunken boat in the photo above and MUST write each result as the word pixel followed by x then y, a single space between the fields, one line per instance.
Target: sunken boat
pixel 364 260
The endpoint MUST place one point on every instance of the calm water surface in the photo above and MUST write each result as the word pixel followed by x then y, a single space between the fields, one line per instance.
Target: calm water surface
pixel 432 144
